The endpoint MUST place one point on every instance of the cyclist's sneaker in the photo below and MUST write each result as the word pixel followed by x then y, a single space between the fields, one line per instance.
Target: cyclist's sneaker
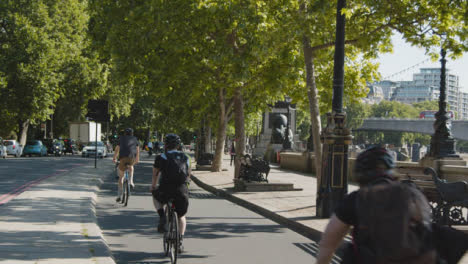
pixel 132 186
pixel 162 225
pixel 181 245
pixel 118 199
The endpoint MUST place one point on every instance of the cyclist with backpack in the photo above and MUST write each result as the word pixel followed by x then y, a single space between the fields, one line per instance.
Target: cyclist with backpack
pixel 127 152
pixel 391 220
pixel 172 171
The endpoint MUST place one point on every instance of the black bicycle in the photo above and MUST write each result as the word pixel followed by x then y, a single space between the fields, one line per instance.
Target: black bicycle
pixel 171 238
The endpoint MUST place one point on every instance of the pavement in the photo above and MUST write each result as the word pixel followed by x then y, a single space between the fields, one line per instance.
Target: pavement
pixel 54 221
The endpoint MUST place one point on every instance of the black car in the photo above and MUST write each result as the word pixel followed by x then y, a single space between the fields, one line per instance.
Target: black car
pixel 70 146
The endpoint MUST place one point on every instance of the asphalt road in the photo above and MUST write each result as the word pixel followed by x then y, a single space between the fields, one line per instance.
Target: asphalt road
pixel 218 231
pixel 17 175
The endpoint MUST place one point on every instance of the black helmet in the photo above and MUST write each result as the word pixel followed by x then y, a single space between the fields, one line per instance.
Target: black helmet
pixel 129 132
pixel 171 141
pixel 373 163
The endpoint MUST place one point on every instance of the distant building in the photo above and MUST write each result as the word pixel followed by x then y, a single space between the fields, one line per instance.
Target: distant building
pixel 425 86
pixel 431 77
pixel 388 87
pixel 375 95
pixel 410 92
pixel 463 105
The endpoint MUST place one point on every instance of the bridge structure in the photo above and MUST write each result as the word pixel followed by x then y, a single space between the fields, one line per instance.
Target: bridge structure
pixel 425 126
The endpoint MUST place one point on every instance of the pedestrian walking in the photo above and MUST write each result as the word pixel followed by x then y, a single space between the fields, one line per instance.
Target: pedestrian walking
pixel 391 220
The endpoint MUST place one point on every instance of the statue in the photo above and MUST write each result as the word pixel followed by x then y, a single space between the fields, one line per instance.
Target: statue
pixel 278 132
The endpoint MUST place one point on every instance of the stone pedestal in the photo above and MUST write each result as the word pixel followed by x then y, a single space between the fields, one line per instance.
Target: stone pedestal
pixel 271 152
pixel 243 186
pixel 203 167
pixel 437 163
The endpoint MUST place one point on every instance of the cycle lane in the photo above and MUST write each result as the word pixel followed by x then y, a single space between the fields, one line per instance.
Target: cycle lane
pixel 218 231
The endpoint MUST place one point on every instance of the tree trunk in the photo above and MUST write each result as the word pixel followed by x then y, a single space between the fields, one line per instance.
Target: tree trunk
pixel 23 131
pixel 316 126
pixel 240 128
pixel 221 133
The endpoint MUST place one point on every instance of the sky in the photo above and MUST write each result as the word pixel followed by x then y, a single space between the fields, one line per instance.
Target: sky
pixel 412 58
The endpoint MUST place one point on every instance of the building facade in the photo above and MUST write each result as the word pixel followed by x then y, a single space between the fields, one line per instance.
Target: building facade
pixel 425 86
pixel 430 77
pixel 463 105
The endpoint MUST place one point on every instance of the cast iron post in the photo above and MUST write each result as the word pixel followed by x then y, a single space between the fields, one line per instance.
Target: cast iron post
pixel 442 142
pixel 335 137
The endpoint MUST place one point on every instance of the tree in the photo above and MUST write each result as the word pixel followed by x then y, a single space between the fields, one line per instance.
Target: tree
pixel 39 39
pixel 368 30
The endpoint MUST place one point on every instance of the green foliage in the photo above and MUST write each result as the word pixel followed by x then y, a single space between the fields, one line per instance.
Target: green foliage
pixel 426 105
pixel 44 61
pixel 356 113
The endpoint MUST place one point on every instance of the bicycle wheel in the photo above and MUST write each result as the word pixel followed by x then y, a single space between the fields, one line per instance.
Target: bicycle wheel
pixel 126 192
pixel 166 234
pixel 174 233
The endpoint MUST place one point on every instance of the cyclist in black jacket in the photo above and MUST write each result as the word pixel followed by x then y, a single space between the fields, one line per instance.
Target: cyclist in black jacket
pixel 171 183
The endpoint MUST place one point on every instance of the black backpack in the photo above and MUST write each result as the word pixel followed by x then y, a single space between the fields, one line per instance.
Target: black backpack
pixel 394 225
pixel 175 170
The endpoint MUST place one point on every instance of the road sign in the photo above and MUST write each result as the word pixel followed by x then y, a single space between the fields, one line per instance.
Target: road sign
pixel 98 110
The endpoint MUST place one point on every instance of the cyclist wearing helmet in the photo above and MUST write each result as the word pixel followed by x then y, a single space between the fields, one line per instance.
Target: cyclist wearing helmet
pixel 172 171
pixel 373 169
pixel 128 151
pixel 371 165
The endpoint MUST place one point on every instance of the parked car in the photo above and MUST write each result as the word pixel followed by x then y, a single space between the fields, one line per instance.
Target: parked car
pixel 13 147
pixel 70 146
pixel 3 150
pixel 90 150
pixel 35 147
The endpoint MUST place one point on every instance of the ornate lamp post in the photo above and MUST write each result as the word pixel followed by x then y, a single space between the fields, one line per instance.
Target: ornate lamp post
pixel 442 142
pixel 335 137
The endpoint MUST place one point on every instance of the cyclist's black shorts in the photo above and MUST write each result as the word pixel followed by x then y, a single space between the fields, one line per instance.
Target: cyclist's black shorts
pixel 180 194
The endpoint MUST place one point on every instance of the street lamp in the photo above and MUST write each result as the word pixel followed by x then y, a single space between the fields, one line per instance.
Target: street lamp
pixel 335 137
pixel 442 141
pixel 286 141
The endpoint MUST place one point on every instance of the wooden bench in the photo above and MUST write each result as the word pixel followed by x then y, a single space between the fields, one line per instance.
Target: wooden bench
pixel 449 200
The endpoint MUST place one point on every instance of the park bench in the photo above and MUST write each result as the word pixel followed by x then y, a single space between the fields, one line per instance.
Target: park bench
pixel 254 169
pixel 449 200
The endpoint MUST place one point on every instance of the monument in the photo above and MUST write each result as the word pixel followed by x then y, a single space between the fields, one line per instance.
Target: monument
pixel 275 130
